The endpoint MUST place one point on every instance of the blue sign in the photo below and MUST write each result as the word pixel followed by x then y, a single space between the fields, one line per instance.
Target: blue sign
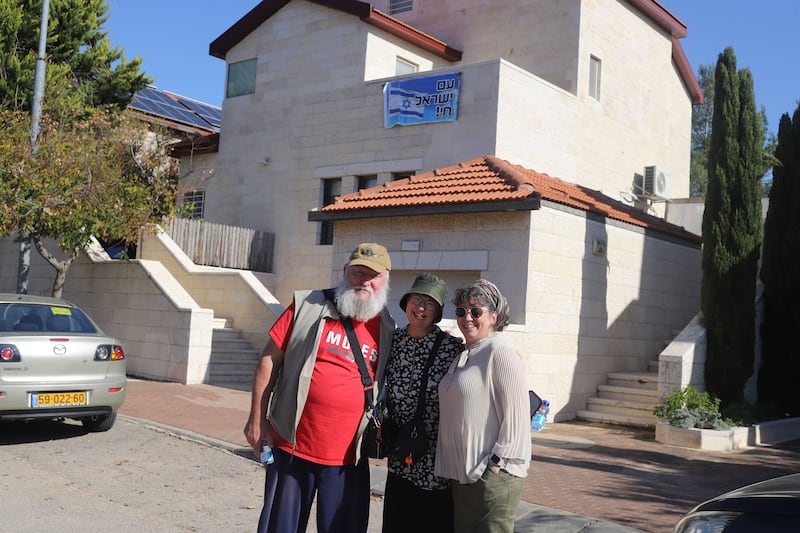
pixel 421 100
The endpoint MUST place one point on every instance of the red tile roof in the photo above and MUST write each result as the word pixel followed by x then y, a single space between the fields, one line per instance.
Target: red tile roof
pixel 486 183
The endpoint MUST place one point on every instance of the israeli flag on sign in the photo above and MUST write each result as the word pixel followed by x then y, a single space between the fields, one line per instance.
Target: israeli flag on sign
pixel 405 103
pixel 421 100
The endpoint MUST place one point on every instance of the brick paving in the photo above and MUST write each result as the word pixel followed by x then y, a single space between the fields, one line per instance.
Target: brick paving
pixel 622 475
pixel 612 473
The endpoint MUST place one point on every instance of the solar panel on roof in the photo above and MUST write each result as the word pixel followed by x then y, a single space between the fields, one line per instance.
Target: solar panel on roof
pixel 212 114
pixel 178 109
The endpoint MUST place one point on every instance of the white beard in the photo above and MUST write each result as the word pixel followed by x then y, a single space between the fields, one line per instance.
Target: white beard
pixel 349 304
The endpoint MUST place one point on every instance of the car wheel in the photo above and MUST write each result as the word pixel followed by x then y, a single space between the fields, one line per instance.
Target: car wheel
pixel 99 422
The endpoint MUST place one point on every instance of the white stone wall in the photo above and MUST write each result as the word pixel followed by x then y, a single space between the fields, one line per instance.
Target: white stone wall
pixel 575 316
pixel 540 36
pixel 236 296
pixel 161 307
pixel 313 117
pixel 382 52
pixel 588 315
pixel 644 114
pixel 165 333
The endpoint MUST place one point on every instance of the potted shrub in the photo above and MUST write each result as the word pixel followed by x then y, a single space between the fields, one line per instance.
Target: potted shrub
pixel 691 418
pixel 689 408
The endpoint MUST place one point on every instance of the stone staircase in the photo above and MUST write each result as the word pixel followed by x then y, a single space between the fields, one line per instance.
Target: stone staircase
pixel 233 358
pixel 628 398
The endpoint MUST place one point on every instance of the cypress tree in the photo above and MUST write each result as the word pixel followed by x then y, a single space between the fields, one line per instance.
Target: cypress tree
pixel 780 274
pixel 731 231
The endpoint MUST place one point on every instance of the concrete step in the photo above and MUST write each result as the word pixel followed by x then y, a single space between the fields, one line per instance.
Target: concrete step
pixel 636 394
pixel 622 407
pixel 233 359
pixel 611 418
pixel 640 380
pixel 220 372
pixel 216 367
pixel 233 354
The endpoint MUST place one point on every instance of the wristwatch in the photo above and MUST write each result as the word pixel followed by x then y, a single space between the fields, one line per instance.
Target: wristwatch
pixel 498 461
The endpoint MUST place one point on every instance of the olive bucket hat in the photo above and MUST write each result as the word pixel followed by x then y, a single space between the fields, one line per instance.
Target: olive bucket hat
pixel 429 285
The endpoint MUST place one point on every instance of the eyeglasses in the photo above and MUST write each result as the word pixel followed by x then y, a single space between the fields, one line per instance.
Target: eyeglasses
pixel 417 301
pixel 476 312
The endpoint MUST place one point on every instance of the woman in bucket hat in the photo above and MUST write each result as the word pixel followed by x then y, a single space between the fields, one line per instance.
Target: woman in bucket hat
pixel 415 499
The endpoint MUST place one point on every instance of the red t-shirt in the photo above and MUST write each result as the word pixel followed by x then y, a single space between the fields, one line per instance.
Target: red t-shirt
pixel 335 404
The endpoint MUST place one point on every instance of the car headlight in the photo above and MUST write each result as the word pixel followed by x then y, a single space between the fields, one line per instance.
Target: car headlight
pixel 706 522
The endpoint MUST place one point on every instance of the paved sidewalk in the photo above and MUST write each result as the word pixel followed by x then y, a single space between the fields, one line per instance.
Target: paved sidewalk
pixel 619 476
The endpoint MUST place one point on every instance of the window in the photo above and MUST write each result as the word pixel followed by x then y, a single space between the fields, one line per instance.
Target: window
pixel 241 78
pixel 403 66
pixel 594 77
pixel 193 203
pixel 366 182
pixel 331 188
pixel 400 6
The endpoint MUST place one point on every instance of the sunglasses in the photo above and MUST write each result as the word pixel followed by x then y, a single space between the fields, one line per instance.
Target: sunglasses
pixel 476 312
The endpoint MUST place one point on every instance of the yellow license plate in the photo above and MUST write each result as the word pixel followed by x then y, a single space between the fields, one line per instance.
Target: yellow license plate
pixel 58 399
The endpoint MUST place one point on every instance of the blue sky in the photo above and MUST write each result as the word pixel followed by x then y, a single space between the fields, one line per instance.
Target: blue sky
pixel 763 35
pixel 173 36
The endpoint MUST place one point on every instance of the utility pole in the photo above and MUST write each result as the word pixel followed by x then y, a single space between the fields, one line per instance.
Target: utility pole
pixel 24 266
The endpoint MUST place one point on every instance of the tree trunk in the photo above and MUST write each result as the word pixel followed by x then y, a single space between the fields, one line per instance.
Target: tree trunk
pixel 61 267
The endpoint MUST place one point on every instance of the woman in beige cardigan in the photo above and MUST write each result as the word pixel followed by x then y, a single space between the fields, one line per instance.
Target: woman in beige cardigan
pixel 484 443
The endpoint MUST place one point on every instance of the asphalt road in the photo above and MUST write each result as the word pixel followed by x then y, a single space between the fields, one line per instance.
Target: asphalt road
pixel 58 477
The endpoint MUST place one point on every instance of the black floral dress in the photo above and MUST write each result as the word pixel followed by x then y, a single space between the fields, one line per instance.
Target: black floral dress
pixel 403 375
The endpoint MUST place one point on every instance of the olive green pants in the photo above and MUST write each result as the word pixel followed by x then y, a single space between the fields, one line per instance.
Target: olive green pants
pixel 488 505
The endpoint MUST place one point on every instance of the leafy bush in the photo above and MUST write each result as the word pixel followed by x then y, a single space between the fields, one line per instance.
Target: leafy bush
pixel 690 408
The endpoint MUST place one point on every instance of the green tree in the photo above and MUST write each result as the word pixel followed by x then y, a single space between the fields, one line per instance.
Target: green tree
pixel 701 136
pixel 701 133
pixel 780 273
pixel 732 231
pixel 83 69
pixel 103 176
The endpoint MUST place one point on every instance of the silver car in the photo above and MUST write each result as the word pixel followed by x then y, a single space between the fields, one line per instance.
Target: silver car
pixel 56 363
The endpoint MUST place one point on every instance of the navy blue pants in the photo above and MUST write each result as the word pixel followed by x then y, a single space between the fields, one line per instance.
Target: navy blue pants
pixel 291 483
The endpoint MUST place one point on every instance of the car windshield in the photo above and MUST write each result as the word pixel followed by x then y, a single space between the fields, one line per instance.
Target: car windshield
pixel 28 317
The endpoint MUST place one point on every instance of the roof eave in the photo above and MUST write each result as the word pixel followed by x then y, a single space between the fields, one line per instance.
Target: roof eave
pixel 207 144
pixel 264 10
pixel 531 203
pixel 686 73
pixel 662 17
pixel 409 34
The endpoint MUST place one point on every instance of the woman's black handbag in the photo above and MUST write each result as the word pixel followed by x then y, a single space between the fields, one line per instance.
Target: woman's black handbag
pixel 411 441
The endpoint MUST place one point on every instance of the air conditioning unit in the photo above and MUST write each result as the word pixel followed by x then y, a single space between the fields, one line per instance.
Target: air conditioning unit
pixel 656 182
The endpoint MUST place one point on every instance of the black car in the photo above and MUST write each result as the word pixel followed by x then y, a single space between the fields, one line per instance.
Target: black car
pixel 768 506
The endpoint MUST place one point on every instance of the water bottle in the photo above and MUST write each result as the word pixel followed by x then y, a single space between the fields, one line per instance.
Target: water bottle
pixel 266 453
pixel 540 417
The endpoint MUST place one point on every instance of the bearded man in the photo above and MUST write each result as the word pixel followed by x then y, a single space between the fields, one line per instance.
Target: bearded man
pixel 308 381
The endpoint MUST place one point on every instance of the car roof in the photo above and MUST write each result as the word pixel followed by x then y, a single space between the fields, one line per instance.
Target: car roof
pixel 10 297
pixel 780 495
